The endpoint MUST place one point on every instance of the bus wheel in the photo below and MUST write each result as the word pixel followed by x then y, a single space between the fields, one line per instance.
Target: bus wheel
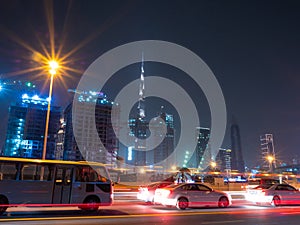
pixel 3 201
pixel 92 203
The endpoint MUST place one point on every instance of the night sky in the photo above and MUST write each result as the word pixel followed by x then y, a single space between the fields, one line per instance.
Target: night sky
pixel 252 47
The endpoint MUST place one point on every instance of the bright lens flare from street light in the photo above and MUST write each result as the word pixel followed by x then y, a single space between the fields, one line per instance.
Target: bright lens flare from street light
pixel 270 158
pixel 213 164
pixel 53 67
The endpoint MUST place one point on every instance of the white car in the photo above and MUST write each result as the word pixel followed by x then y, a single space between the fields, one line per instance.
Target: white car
pixel 187 195
pixel 275 195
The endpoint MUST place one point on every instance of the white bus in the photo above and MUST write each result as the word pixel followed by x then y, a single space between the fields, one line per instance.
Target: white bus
pixel 34 182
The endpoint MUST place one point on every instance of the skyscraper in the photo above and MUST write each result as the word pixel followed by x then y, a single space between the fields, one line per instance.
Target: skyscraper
pixel 59 140
pixel 267 152
pixel 90 142
pixel 26 127
pixel 237 161
pixel 223 160
pixel 166 146
pixel 198 158
pixel 139 131
pixel 139 153
pixel 139 127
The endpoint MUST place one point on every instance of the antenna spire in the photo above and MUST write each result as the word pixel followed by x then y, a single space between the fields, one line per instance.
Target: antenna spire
pixel 141 107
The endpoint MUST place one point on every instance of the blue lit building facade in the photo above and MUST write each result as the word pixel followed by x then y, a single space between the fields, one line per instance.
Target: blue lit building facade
pixel 26 128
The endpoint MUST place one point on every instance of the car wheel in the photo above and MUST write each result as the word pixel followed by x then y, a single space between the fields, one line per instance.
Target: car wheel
pixel 3 201
pixel 276 201
pixel 182 203
pixel 223 202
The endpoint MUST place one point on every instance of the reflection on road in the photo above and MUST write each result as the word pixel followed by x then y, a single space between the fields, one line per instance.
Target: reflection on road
pixel 134 209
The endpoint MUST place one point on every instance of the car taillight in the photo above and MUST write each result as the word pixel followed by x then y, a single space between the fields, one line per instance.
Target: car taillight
pixel 263 192
pixel 143 189
pixel 165 193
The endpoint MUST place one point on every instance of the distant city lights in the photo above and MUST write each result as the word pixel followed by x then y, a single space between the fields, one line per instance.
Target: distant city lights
pixel 35 99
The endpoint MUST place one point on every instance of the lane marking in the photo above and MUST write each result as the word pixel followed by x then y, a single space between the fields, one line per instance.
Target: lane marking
pixel 178 213
pixel 111 217
pixel 224 222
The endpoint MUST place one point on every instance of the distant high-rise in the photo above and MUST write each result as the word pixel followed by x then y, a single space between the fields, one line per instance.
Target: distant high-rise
pixel 90 142
pixel 237 161
pixel 198 158
pixel 26 128
pixel 166 147
pixel 267 151
pixel 59 140
pixel 136 154
pixel 223 159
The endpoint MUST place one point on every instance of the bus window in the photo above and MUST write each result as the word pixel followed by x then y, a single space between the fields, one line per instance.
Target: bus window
pixel 8 171
pixel 33 172
pixel 102 174
pixel 28 172
pixel 88 174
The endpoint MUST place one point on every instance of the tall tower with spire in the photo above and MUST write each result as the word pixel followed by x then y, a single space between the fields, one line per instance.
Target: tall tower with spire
pixel 139 126
pixel 141 105
pixel 138 154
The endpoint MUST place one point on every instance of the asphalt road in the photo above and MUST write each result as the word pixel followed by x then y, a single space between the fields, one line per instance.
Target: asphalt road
pixel 134 212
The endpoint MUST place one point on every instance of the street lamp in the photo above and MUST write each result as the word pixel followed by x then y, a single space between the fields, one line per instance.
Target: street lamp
pixel 270 159
pixel 53 66
pixel 213 165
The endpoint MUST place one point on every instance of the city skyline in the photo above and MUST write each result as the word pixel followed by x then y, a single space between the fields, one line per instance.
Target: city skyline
pixel 252 51
pixel 31 147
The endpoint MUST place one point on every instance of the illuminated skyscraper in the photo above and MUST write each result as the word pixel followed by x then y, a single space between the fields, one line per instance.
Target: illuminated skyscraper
pixel 267 150
pixel 26 128
pixel 59 140
pixel 141 105
pixel 198 159
pixel 223 159
pixel 140 153
pixel 91 150
pixel 161 153
pixel 139 127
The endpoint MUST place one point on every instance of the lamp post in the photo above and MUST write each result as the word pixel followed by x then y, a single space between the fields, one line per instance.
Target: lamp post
pixel 213 165
pixel 270 159
pixel 53 66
